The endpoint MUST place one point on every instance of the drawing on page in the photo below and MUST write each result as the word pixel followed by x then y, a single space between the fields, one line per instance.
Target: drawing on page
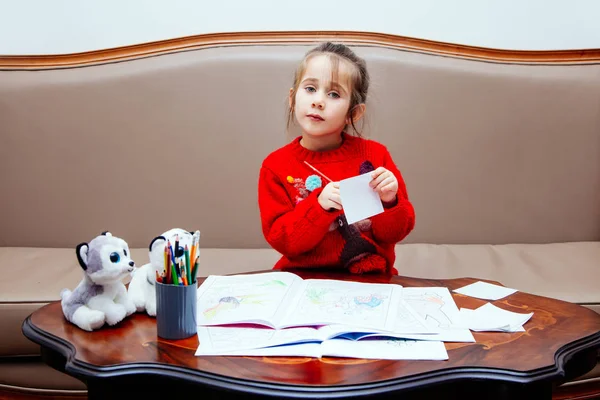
pixel 401 343
pixel 273 282
pixel 354 305
pixel 373 300
pixel 335 304
pixel 431 307
pixel 315 295
pixel 229 303
pixel 407 321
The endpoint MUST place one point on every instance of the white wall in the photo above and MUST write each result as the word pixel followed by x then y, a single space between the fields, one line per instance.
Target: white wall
pixel 70 26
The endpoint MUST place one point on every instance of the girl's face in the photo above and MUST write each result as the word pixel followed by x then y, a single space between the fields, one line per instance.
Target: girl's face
pixel 321 107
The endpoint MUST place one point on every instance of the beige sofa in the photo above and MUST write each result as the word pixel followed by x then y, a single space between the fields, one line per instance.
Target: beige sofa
pixel 501 161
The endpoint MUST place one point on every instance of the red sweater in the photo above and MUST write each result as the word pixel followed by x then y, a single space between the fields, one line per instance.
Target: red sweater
pixel 296 225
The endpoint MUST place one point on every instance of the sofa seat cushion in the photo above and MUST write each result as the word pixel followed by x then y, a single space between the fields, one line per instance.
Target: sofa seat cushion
pixel 31 373
pixel 565 271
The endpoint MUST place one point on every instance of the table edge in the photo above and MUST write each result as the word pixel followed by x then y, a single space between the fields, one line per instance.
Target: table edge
pixel 85 371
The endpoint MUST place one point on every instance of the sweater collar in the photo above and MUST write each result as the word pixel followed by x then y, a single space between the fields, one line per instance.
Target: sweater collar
pixel 348 147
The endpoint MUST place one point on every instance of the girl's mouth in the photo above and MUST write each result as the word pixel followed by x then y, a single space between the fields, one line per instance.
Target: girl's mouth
pixel 315 117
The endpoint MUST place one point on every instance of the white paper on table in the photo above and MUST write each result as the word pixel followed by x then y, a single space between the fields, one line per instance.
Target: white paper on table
pixel 359 200
pixel 493 319
pixel 484 290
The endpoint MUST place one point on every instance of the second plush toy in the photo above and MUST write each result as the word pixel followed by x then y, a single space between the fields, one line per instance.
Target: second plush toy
pixel 142 286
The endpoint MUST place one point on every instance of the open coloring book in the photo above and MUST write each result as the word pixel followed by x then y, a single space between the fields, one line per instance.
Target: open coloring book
pixel 280 314
pixel 282 299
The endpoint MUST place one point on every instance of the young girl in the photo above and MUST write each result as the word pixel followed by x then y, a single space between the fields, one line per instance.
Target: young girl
pixel 299 192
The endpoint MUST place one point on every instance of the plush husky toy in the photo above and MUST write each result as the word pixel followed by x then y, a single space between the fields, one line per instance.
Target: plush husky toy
pixel 100 296
pixel 141 288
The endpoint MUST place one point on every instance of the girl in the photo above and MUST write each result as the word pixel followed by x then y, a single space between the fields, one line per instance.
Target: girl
pixel 298 191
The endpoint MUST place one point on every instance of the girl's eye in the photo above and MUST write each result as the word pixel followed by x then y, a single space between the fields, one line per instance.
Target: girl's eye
pixel 115 257
pixel 334 95
pixel 310 89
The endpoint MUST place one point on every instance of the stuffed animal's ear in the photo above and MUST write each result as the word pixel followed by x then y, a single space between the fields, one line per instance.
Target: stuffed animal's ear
pixel 156 240
pixel 82 250
pixel 106 233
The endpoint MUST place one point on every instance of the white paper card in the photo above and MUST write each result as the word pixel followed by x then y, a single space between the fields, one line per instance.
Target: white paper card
pixel 484 290
pixel 491 318
pixel 359 200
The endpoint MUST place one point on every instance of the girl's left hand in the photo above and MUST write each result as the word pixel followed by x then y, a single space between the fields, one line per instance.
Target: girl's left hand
pixel 385 184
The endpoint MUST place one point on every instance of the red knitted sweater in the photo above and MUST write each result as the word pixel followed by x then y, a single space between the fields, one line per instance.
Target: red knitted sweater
pixel 305 234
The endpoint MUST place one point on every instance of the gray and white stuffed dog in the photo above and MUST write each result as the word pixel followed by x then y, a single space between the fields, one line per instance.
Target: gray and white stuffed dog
pixel 101 295
pixel 142 286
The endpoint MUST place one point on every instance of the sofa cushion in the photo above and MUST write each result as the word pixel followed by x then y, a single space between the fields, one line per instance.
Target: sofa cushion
pixel 565 271
pixel 32 373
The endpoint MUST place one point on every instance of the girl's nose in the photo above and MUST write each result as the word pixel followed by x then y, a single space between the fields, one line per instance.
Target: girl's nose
pixel 318 104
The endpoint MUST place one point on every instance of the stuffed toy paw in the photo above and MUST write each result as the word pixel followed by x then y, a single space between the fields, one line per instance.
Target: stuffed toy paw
pixel 142 286
pixel 101 297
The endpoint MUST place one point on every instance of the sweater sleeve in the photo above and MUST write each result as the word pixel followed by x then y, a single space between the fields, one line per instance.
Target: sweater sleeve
pixel 291 229
pixel 398 219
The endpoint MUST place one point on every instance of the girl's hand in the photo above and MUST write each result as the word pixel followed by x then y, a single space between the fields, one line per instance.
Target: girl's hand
pixel 385 184
pixel 330 197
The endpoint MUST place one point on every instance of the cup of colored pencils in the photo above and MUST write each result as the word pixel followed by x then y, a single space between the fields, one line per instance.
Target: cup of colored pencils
pixel 176 290
pixel 180 269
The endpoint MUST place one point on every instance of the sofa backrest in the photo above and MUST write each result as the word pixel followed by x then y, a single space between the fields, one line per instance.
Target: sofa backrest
pixel 491 152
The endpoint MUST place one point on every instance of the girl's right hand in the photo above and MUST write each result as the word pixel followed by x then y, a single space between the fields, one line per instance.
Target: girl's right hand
pixel 330 197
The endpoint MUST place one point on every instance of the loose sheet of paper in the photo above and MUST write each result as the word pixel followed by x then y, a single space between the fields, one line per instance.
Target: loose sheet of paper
pixel 493 319
pixel 359 200
pixel 484 290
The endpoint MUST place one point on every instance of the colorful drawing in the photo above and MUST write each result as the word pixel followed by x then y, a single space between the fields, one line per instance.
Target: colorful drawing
pixel 315 295
pixel 372 300
pixel 401 342
pixel 430 306
pixel 229 303
pixel 274 282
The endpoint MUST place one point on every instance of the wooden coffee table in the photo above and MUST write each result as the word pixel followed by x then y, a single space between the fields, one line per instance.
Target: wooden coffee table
pixel 560 343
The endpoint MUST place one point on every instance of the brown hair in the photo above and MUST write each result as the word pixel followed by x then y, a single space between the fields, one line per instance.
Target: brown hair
pixel 336 53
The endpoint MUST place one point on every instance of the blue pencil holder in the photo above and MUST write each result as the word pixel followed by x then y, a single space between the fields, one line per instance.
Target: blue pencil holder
pixel 176 311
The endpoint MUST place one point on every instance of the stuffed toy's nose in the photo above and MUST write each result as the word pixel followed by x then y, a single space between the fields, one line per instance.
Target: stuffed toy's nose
pixel 131 263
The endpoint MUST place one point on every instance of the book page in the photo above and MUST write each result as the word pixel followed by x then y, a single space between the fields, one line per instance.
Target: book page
pixel 290 350
pixel 218 340
pixel 251 298
pixel 390 349
pixel 393 349
pixel 361 305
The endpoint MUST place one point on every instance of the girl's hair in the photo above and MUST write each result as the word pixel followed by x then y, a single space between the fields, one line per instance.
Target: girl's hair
pixel 359 77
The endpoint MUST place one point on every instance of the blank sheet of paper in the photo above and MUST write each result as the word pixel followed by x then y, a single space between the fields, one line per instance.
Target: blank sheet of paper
pixel 484 290
pixel 359 200
pixel 491 318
